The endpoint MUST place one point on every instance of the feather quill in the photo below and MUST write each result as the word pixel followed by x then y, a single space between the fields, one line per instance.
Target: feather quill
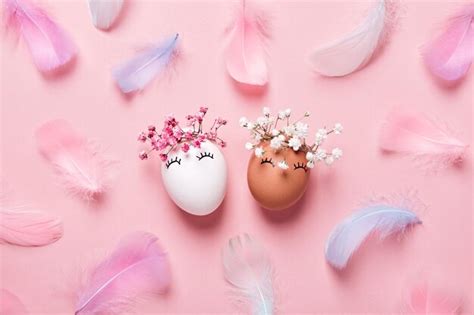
pixel 10 304
pixel 104 12
pixel 354 50
pixel 248 269
pixel 82 169
pixel 424 300
pixel 137 267
pixel 49 45
pixel 136 73
pixel 245 51
pixel 348 235
pixel 26 227
pixel 410 133
pixel 449 56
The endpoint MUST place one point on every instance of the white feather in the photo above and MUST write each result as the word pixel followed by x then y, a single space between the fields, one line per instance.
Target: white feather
pixel 104 12
pixel 247 267
pixel 347 236
pixel 352 51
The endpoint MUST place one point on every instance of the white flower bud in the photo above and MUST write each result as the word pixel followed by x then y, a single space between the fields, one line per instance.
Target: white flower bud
pixel 249 146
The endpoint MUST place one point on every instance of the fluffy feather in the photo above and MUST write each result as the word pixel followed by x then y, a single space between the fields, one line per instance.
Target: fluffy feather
pixel 29 227
pixel 136 73
pixel 354 50
pixel 10 304
pixel 424 300
pixel 410 133
pixel 138 267
pixel 449 56
pixel 248 269
pixel 49 45
pixel 245 51
pixel 348 235
pixel 105 12
pixel 82 169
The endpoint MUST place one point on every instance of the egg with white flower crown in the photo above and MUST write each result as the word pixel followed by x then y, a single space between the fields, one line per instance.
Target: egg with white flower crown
pixel 193 169
pixel 196 180
pixel 279 168
pixel 277 180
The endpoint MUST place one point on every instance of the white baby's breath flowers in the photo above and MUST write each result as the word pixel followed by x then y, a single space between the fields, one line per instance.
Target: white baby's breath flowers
pixel 291 135
pixel 320 154
pixel 329 160
pixel 294 143
pixel 283 165
pixel 277 142
pixel 259 152
pixel 262 121
pixel 289 130
pixel 266 111
pixel 249 146
pixel 338 128
pixel 301 130
pixel 336 153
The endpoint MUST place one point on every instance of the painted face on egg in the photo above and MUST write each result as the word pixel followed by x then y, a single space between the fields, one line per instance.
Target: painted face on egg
pixel 273 187
pixel 196 180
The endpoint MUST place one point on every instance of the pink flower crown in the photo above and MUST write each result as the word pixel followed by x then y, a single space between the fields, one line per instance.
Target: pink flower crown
pixel 173 137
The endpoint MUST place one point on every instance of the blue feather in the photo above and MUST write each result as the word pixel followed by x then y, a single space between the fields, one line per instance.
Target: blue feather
pixel 136 73
pixel 347 236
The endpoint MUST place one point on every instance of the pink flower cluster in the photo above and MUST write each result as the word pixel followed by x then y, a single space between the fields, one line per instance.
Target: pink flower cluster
pixel 172 136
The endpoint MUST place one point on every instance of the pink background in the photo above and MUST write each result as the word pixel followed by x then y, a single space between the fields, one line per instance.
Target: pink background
pixel 377 277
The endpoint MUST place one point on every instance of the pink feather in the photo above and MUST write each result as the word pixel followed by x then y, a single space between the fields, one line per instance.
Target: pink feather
pixel 245 53
pixel 137 267
pixel 417 135
pixel 29 227
pixel 450 55
pixel 82 168
pixel 49 45
pixel 424 300
pixel 10 304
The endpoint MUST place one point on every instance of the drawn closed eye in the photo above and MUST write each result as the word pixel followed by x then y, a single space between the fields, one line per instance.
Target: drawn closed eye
pixel 204 155
pixel 172 161
pixel 300 165
pixel 267 160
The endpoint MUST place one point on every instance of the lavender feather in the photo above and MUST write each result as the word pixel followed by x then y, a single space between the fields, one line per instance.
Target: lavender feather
pixel 136 73
pixel 137 267
pixel 347 236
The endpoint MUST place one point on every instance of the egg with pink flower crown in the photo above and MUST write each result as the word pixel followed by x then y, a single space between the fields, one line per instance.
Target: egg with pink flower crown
pixel 193 169
pixel 282 157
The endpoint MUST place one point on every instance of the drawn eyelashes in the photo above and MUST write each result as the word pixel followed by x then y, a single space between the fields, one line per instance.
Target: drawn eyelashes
pixel 175 160
pixel 205 154
pixel 299 165
pixel 267 160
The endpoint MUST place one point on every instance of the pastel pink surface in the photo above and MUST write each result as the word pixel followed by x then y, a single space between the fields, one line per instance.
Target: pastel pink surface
pixel 87 97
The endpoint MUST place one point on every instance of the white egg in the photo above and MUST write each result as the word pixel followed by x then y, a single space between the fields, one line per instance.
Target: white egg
pixel 197 180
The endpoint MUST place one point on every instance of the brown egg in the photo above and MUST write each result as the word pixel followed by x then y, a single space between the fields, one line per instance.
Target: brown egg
pixel 273 187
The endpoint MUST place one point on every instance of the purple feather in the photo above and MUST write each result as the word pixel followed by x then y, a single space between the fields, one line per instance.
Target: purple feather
pixel 136 73
pixel 347 236
pixel 137 267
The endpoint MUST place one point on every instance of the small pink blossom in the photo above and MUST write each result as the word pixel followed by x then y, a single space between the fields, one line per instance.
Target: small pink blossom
pixel 151 128
pixel 197 144
pixel 185 147
pixel 142 137
pixel 163 157
pixel 203 109
pixel 143 155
